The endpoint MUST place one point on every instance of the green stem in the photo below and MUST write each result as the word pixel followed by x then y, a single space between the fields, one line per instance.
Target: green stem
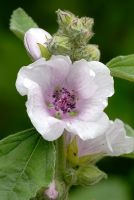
pixel 60 158
pixel 60 169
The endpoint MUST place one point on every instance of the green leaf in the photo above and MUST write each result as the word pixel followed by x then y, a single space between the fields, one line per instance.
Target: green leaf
pixel 122 67
pixel 20 22
pixel 26 164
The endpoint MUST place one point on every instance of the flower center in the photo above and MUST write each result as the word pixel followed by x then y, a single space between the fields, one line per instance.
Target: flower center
pixel 64 100
pixel 62 103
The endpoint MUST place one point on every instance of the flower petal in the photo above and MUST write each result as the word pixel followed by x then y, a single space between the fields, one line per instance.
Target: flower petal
pixel 104 88
pixel 88 130
pixel 49 127
pixel 117 140
pixel 35 73
pixel 103 80
pixel 60 67
pixel 44 73
pixel 113 142
pixel 91 146
pixel 88 110
pixel 32 38
pixel 81 77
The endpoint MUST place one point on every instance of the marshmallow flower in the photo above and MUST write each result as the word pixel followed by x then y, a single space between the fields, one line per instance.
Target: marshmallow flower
pixel 33 37
pixel 65 95
pixel 113 142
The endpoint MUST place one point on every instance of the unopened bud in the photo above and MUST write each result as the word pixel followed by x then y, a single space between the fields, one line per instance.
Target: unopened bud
pixel 64 18
pixel 79 31
pixel 70 176
pixel 89 52
pixel 51 192
pixel 87 22
pixel 60 45
pixel 33 38
pixel 89 175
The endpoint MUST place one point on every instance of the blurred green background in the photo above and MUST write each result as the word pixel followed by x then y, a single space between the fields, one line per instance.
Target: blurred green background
pixel 114 33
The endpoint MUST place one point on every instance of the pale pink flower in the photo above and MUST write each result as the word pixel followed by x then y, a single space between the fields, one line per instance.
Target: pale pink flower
pixel 51 192
pixel 65 95
pixel 114 142
pixel 33 37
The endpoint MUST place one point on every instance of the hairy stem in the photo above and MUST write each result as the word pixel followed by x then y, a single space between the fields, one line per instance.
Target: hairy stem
pixel 60 158
pixel 60 169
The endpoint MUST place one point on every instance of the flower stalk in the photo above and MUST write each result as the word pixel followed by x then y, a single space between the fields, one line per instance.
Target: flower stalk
pixel 60 169
pixel 60 158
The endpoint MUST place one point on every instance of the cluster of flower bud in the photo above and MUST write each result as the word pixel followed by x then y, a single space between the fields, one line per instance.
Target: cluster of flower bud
pixel 73 36
pixel 78 29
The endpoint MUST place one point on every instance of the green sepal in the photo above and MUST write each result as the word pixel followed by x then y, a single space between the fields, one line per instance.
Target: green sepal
pixel 72 153
pixel 44 52
pixel 73 158
pixel 90 159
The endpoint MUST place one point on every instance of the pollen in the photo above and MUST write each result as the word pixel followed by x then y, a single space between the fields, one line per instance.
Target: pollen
pixel 64 100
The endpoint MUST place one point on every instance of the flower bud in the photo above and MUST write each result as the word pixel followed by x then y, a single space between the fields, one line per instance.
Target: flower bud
pixel 87 22
pixel 70 176
pixel 89 52
pixel 78 29
pixel 89 175
pixel 33 38
pixel 60 45
pixel 64 18
pixel 51 192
